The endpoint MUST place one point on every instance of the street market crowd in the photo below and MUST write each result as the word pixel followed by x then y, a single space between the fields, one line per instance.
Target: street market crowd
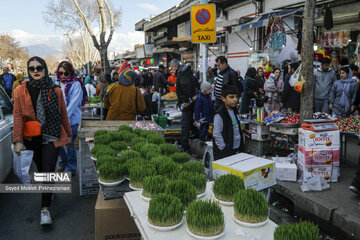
pixel 47 111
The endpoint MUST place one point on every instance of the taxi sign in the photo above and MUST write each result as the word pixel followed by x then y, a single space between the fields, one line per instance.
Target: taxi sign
pixel 203 28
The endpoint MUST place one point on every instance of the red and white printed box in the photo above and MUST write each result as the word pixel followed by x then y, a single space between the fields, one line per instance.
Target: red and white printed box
pixel 311 157
pixel 319 140
pixel 329 173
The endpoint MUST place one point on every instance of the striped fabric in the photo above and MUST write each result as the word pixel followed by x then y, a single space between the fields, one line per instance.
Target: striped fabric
pixel 218 86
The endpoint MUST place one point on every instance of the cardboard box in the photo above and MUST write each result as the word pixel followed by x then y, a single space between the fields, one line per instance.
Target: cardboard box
pixel 285 131
pixel 257 173
pixel 329 173
pixel 259 129
pixel 257 137
pixel 311 157
pixel 113 220
pixel 286 171
pixel 323 140
pixel 283 141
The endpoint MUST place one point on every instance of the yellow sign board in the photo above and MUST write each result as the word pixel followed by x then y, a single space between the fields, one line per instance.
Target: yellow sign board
pixel 203 27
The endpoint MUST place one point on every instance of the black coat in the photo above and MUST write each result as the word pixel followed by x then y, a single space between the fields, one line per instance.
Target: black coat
pixel 185 85
pixel 230 77
pixel 289 97
pixel 228 135
pixel 160 81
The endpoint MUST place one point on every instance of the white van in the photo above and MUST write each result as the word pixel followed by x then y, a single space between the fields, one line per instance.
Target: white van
pixel 6 127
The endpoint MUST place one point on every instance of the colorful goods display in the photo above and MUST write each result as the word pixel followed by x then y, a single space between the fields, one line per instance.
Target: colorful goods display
pixel 145 125
pixel 349 125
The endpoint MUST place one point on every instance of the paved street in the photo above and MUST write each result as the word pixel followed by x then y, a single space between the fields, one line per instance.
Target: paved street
pixel 73 216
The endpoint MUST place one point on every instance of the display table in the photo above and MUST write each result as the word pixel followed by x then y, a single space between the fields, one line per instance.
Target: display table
pixel 139 208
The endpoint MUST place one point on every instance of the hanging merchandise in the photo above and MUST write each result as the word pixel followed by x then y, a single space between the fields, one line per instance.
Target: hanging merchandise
pixel 335 62
pixel 276 38
pixel 335 39
pixel 328 19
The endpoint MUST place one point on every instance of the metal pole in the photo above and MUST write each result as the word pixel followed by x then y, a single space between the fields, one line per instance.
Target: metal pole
pixel 203 54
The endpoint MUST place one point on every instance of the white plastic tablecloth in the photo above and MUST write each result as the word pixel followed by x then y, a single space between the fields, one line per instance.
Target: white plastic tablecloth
pixel 139 208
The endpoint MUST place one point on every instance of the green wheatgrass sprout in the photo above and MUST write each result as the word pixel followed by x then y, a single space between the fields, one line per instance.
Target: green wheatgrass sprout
pixel 300 231
pixel 137 147
pixel 100 132
pixel 103 139
pixel 105 158
pixel 205 218
pixel 149 147
pixel 139 172
pixel 116 136
pixel 183 190
pixel 226 186
pixel 137 140
pixel 165 210
pixel 152 154
pixel 180 157
pixel 198 180
pixel 169 169
pixel 134 162
pixel 156 139
pixel 154 185
pixel 250 206
pixel 197 167
pixel 138 131
pixel 125 128
pixel 146 133
pixel 168 149
pixel 128 154
pixel 158 160
pixel 111 172
pixel 118 146
pixel 101 150
pixel 127 136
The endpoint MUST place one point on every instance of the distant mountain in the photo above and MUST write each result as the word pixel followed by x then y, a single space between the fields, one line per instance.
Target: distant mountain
pixel 42 50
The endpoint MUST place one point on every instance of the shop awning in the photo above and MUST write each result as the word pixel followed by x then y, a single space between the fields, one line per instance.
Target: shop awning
pixel 263 19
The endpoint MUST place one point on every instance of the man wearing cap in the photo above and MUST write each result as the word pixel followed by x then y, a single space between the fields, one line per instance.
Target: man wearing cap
pixel 7 80
pixel 160 82
pixel 204 111
pixel 123 101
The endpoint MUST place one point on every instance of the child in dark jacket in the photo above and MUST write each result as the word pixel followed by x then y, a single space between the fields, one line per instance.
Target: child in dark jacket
pixel 204 114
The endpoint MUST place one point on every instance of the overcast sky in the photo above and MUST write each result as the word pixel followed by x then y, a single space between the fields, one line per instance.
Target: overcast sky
pixel 23 19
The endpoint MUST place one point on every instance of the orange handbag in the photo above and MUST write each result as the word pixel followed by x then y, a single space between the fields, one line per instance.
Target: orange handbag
pixel 32 129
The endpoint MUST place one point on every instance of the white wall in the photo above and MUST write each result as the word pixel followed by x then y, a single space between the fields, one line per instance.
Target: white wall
pixel 271 4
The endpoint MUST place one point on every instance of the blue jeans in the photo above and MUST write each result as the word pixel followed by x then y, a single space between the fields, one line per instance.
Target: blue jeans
pixel 69 159
pixel 322 105
pixel 204 128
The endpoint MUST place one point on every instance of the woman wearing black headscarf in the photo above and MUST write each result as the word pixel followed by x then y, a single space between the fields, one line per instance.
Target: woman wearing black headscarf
pixel 41 123
pixel 250 87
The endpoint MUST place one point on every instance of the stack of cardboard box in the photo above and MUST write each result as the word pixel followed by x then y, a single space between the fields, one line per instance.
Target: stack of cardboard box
pixel 318 154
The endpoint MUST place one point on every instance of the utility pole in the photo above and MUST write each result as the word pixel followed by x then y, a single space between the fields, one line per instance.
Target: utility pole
pixel 203 54
pixel 307 56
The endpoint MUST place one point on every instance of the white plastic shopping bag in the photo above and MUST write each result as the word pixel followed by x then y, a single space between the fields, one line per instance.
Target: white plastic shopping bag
pixel 22 164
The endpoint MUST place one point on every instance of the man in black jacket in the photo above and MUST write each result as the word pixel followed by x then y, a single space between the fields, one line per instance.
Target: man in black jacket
pixel 160 81
pixel 227 136
pixel 290 98
pixel 226 76
pixel 185 91
pixel 148 100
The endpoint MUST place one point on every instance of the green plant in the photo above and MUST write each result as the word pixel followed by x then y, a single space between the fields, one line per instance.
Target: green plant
pixel 250 206
pixel 198 180
pixel 116 136
pixel 103 139
pixel 137 147
pixel 106 158
pixel 165 210
pixel 100 132
pixel 205 218
pixel 197 167
pixel 137 140
pixel 111 172
pixel 156 139
pixel 125 128
pixel 138 131
pixel 226 186
pixel 180 157
pixel 139 172
pixel 146 133
pixel 118 146
pixel 156 161
pixel 128 154
pixel 100 150
pixel 154 185
pixel 183 190
pixel 126 136
pixel 169 169
pixel 149 147
pixel 150 155
pixel 134 162
pixel 300 231
pixel 168 149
